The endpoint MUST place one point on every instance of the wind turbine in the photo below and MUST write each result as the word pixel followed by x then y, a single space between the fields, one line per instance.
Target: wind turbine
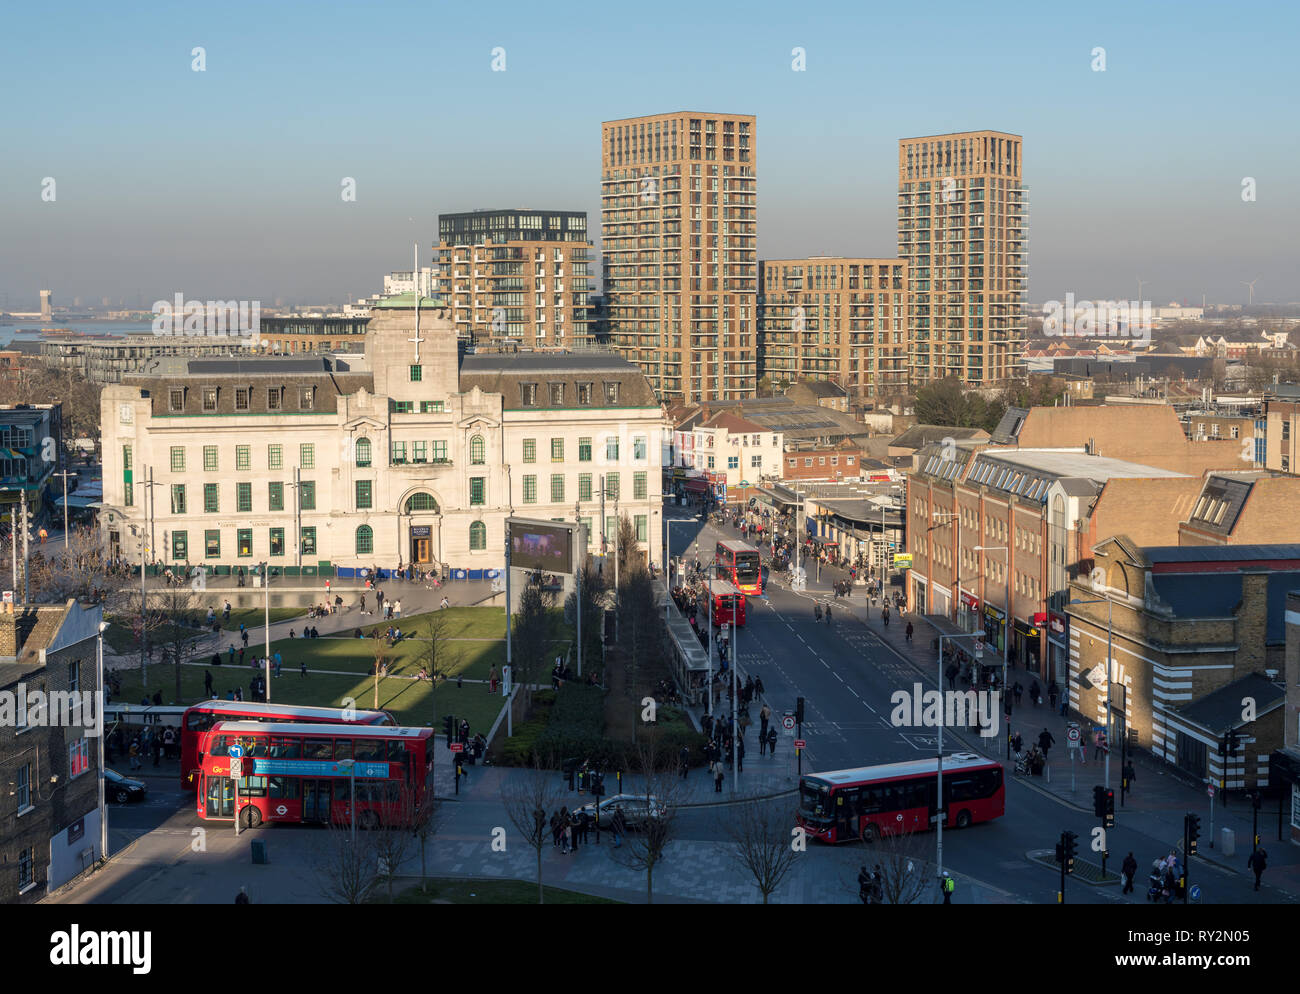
pixel 1251 284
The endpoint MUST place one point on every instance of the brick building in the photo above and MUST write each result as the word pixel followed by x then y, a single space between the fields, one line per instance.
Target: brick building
pixel 49 817
pixel 1250 508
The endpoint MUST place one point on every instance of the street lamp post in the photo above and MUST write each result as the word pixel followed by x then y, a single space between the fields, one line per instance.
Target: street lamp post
pixel 943 814
pixel 1006 653
pixel 1109 643
pixel 266 597
pixel 351 766
pixel 99 746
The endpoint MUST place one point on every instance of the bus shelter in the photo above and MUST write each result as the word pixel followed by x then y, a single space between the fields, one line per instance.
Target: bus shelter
pixel 688 659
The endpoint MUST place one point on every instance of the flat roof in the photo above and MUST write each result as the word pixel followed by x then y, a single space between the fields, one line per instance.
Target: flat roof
pixel 911 767
pixel 216 705
pixel 1076 463
pixel 546 362
pixel 306 728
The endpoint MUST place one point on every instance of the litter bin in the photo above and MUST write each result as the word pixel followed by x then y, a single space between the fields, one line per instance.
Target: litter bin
pixel 1227 842
pixel 260 855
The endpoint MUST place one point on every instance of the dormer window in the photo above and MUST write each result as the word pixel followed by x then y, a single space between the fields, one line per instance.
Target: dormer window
pixel 611 392
pixel 557 394
pixel 241 398
pixel 528 394
pixel 176 399
pixel 273 399
pixel 307 398
pixel 209 398
pixel 584 394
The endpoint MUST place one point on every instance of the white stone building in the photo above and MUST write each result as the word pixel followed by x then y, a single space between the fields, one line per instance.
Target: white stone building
pixel 414 455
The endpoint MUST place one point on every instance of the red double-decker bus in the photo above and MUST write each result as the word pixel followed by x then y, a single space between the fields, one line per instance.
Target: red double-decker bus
pixel 302 773
pixel 739 563
pixel 727 603
pixel 899 797
pixel 202 716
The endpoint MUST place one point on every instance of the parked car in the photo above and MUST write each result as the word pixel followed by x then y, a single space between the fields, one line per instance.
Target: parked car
pixel 634 807
pixel 123 789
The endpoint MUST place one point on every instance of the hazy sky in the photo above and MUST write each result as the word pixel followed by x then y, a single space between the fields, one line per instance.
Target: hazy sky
pixel 226 183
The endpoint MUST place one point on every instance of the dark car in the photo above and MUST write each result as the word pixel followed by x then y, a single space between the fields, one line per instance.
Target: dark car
pixel 636 809
pixel 122 789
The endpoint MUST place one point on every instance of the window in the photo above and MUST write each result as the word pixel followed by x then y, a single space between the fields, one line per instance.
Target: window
pixel 308 541
pixel 212 544
pixel 176 399
pixel 74 675
pixel 178 498
pixel 241 399
pixel 307 495
pixel 611 449
pixel 756 462
pixel 128 491
pixel 478 536
pixel 420 452
pixel 209 398
pixel 211 504
pixel 178 459
pixel 273 398
pixel 530 450
pixel 557 394
pixel 557 450
pixel 307 455
pixel 611 392
pixel 611 486
pixel 23 785
pixel 584 450
pixel 807 461
pixel 274 457
pixel 277 541
pixel 476 450
pixel 403 406
pixel 530 490
pixel 528 394
pixel 364 494
pixel 584 486
pixel 242 459
pixel 307 398
pixel 477 491
pixel 243 497
pixel 363 451
pixel 275 496
pixel 365 540
pixel 557 488
pixel 416 374
pixel 642 527
pixel 639 447
pixel 733 462
pixel 421 502
pixel 431 407
pixel 398 454
pixel 209 458
pixel 640 486
pixel 25 869
pixel 244 542
pixel 78 758
pixel 584 394
pixel 710 462
pixel 180 546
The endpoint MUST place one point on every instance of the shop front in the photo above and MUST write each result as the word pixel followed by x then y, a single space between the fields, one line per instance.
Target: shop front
pixel 1058 648
pixel 919 602
pixel 968 614
pixel 941 601
pixel 1027 646
pixel 995 628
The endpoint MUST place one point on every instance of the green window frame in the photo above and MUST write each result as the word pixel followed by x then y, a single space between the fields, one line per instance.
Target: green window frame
pixel 362 451
pixel 211 499
pixel 274 457
pixel 476 450
pixel 640 486
pixel 477 536
pixel 277 541
pixel 275 496
pixel 584 486
pixel 439 452
pixel 398 454
pixel 403 406
pixel 243 457
pixel 477 491
pixel 365 540
pixel 178 458
pixel 639 446
pixel 307 455
pixel 212 543
pixel 416 373
pixel 420 452
pixel 209 458
pixel 611 448
pixel 128 484
pixel 642 527
pixel 307 495
pixel 365 494
pixel 612 486
pixel 243 497
pixel 244 543
pixel 530 489
pixel 557 450
pixel 180 546
pixel 307 540
pixel 557 488
pixel 178 498
pixel 431 407
pixel 584 449
pixel 530 450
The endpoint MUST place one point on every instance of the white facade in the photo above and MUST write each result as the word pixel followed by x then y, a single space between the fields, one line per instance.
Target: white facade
pixel 743 456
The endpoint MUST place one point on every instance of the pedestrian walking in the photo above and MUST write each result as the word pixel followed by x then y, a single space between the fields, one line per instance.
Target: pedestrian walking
pixel 948 885
pixel 1128 774
pixel 764 716
pixel 244 635
pixel 828 614
pixel 618 825
pixel 492 680
pixel 684 761
pixel 1035 694
pixel 717 778
pixel 884 615
pixel 1099 744
pixel 1018 691
pixel 1259 863
pixel 207 684
pixel 134 754
pixel 1053 692
pixel 1129 868
pixel 771 742
pixel 225 612
pixel 363 603
pixel 1045 741
pixel 302 667
pixel 397 609
pixel 740 754
pixel 277 662
pixel 909 631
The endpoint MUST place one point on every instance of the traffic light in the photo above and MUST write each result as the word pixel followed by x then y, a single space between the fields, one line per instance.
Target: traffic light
pixel 1193 833
pixel 449 725
pixel 798 710
pixel 1070 842
pixel 1099 801
pixel 1108 808
pixel 1060 853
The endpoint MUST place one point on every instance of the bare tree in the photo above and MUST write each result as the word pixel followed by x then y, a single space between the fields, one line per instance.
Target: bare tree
pixel 528 797
pixel 761 842
pixel 173 619
pixel 345 869
pixel 391 842
pixel 532 640
pixel 657 814
pixel 426 817
pixel 907 876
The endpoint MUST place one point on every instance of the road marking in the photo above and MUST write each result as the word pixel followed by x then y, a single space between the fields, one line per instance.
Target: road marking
pixel 838 677
pixel 854 693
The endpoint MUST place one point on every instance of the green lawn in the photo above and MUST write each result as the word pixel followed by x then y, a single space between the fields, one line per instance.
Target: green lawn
pixel 490 892
pixel 409 700
pixel 255 617
pixel 120 634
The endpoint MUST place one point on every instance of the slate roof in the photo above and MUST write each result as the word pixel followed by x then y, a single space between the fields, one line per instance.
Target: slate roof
pixel 920 435
pixel 1217 595
pixel 1220 710
pixel 1008 429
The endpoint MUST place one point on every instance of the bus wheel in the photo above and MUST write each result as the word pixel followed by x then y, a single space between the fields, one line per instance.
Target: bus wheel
pixel 369 820
pixel 869 832
pixel 963 819
pixel 250 817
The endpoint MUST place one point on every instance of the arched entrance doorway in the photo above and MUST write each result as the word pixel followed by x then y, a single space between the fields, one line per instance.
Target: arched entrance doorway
pixel 422 515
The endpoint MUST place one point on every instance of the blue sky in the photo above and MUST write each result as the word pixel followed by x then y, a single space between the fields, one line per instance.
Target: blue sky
pixel 226 183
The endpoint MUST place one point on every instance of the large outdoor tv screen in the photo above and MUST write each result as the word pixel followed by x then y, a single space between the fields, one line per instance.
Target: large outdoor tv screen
pixel 544 547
